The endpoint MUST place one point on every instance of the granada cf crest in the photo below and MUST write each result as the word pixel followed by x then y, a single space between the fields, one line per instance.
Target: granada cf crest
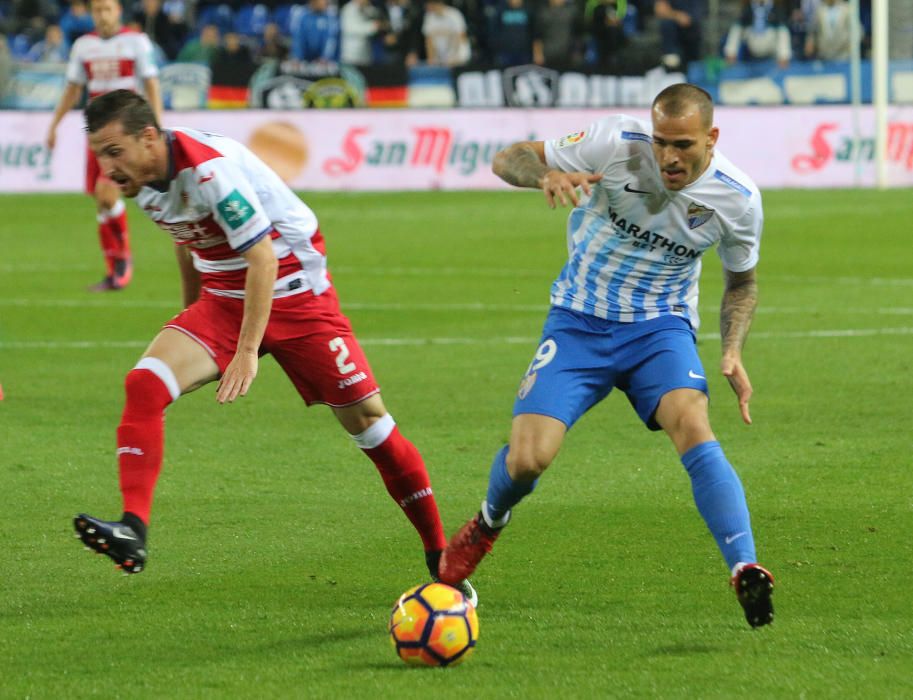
pixel 698 215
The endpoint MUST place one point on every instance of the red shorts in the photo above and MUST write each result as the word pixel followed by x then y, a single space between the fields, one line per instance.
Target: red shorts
pixel 308 335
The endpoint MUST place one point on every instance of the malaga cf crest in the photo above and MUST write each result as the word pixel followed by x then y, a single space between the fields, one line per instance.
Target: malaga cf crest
pixel 526 385
pixel 698 215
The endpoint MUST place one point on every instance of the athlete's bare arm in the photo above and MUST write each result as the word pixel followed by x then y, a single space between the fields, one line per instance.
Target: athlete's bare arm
pixel 523 165
pixel 190 276
pixel 154 96
pixel 740 298
pixel 258 300
pixel 68 100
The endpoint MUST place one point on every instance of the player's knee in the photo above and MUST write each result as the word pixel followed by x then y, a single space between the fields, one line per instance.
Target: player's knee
pixel 527 463
pixel 106 194
pixel 682 410
pixel 105 201
pixel 689 427
pixel 359 417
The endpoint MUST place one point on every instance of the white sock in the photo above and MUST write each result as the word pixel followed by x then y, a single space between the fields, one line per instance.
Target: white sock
pixel 491 522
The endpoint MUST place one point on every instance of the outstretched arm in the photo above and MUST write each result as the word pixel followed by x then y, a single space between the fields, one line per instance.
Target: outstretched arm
pixel 68 100
pixel 523 165
pixel 154 96
pixel 740 298
pixel 258 301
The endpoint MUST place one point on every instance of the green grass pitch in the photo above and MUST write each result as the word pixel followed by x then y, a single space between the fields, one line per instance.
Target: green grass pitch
pixel 276 555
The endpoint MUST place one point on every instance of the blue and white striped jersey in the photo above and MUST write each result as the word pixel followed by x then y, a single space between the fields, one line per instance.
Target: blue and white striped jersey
pixel 634 247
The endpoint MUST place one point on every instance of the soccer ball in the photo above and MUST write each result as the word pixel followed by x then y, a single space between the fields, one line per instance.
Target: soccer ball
pixel 433 625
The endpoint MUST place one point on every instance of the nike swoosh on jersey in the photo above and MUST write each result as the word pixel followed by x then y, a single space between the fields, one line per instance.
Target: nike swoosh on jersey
pixel 695 375
pixel 206 178
pixel 628 188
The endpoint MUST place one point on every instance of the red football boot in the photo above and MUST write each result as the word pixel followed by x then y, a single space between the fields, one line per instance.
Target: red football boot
pixel 466 549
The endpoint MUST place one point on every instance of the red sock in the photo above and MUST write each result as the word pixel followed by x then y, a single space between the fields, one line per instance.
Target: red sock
pixel 109 244
pixel 115 242
pixel 404 474
pixel 118 224
pixel 141 438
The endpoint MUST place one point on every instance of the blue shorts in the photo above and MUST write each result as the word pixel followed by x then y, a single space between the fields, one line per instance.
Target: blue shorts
pixel 581 358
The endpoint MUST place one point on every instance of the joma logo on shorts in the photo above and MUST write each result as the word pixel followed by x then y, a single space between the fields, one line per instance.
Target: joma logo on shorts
pixel 354 379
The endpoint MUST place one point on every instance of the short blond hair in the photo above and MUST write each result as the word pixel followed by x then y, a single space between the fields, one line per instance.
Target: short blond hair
pixel 677 99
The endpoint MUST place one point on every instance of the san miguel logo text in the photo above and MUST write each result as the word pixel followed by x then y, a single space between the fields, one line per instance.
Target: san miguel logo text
pixel 435 147
pixel 828 145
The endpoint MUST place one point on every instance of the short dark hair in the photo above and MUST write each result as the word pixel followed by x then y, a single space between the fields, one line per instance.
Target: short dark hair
pixel 124 106
pixel 676 99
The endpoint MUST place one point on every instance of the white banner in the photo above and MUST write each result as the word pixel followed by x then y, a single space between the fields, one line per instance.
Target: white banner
pixel 453 149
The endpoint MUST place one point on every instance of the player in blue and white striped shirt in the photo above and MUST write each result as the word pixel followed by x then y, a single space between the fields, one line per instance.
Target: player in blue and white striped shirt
pixel 654 198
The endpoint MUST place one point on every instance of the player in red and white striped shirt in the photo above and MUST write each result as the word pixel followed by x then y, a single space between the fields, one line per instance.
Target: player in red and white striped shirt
pixel 255 281
pixel 110 58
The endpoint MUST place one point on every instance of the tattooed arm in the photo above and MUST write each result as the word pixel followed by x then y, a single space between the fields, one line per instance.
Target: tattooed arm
pixel 523 165
pixel 736 311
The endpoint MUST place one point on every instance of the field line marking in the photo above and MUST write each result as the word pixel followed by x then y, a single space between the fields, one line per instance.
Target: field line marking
pixel 414 306
pixel 470 271
pixel 505 340
pixel 359 306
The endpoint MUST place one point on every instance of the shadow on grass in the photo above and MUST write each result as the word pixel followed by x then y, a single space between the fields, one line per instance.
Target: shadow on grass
pixel 395 665
pixel 319 639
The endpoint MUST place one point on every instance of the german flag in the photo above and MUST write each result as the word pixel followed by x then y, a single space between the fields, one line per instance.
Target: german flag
pixel 386 86
pixel 387 96
pixel 227 97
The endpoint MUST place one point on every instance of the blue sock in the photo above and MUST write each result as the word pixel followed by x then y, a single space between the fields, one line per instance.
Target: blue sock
pixel 721 501
pixel 503 492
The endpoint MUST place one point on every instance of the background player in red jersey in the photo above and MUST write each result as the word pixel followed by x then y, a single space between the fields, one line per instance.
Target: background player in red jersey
pixel 110 58
pixel 255 281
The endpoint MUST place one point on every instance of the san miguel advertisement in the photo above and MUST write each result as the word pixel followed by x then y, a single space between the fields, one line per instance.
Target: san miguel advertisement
pixel 453 149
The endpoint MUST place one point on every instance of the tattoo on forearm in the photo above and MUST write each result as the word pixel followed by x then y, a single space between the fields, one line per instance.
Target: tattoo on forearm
pixel 736 312
pixel 520 166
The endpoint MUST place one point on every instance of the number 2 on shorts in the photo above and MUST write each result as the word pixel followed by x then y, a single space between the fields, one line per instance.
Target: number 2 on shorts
pixel 338 345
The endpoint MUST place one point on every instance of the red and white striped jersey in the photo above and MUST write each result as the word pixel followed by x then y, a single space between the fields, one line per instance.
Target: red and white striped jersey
pixel 220 200
pixel 123 61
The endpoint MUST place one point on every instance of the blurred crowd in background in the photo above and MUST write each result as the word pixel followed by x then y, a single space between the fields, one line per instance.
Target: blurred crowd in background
pixel 233 38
